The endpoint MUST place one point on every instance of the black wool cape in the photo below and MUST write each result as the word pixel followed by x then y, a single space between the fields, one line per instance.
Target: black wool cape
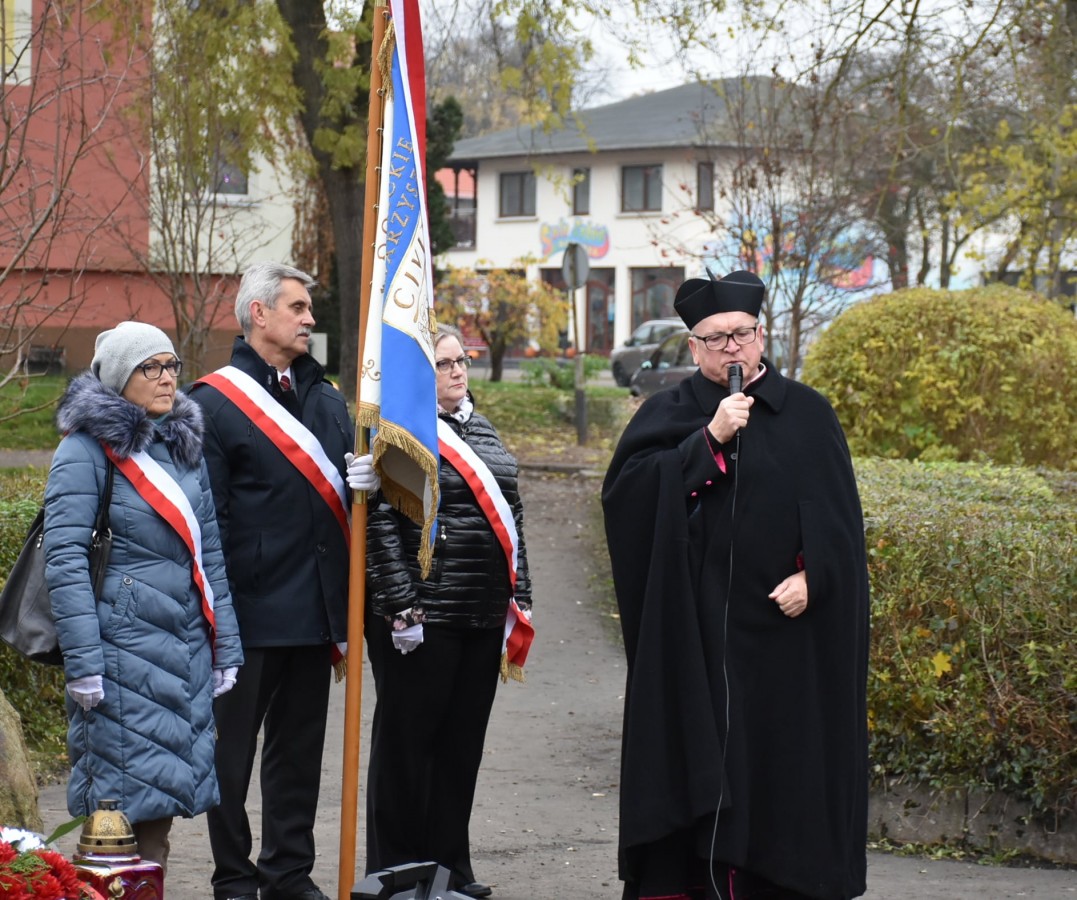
pixel 707 647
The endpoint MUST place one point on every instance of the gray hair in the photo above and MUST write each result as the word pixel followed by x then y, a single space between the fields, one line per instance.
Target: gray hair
pixel 445 331
pixel 262 282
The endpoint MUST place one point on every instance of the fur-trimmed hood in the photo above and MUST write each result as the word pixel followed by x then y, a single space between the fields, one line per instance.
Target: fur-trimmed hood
pixel 90 407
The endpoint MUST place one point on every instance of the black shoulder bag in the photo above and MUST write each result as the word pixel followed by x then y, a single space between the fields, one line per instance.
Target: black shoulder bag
pixel 25 612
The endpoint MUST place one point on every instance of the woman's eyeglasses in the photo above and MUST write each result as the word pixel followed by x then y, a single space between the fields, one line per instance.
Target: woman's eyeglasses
pixel 444 366
pixel 153 370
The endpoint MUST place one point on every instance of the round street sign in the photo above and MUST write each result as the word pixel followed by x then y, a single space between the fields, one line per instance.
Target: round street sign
pixel 575 267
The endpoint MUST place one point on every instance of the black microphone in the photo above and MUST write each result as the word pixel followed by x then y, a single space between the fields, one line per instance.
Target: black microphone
pixel 736 379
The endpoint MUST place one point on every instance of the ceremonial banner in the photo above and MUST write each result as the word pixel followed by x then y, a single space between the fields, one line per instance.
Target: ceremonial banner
pixel 397 384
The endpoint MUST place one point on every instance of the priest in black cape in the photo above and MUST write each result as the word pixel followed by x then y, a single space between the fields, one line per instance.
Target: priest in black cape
pixel 737 544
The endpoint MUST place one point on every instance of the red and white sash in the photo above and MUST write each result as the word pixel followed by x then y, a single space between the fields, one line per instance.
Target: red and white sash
pixel 301 448
pixel 519 632
pixel 166 498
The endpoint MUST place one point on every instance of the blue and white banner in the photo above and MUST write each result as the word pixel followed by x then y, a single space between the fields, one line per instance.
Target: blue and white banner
pixel 398 394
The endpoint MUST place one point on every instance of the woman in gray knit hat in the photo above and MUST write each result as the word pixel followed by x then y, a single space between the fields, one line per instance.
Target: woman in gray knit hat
pixel 146 654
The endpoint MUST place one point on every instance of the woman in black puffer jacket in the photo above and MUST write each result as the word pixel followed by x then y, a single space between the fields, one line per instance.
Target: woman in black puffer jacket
pixel 435 644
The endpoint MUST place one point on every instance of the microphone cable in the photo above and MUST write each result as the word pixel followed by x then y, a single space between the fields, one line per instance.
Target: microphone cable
pixel 725 669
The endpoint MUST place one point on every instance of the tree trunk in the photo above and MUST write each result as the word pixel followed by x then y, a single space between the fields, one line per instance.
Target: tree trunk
pixel 343 184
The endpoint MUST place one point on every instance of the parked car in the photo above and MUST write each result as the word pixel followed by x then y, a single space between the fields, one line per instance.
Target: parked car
pixel 624 360
pixel 670 363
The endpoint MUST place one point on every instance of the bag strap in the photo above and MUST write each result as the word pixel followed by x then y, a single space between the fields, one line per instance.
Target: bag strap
pixel 100 525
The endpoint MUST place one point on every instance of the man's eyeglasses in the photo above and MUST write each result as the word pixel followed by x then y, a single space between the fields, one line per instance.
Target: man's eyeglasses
pixel 153 370
pixel 720 339
pixel 444 366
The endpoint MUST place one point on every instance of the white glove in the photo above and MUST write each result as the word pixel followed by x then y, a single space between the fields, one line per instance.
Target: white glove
pixel 361 474
pixel 407 639
pixel 224 680
pixel 87 692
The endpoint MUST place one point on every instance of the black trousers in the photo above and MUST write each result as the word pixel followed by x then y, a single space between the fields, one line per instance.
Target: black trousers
pixel 426 744
pixel 287 689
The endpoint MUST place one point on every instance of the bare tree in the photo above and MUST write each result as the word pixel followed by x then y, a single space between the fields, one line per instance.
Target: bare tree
pixel 786 209
pixel 63 75
pixel 215 112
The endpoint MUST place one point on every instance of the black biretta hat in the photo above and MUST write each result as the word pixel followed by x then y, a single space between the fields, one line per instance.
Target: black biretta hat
pixel 699 298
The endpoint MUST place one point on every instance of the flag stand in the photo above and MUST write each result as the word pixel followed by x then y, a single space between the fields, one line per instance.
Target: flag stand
pixel 353 688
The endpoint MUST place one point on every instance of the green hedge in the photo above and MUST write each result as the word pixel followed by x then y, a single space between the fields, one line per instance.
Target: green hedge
pixel 36 691
pixel 973 575
pixel 982 375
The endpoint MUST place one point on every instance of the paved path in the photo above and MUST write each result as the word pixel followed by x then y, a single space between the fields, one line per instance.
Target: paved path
pixel 545 821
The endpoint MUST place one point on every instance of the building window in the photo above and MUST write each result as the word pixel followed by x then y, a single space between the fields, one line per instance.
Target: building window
pixel 517 194
pixel 653 291
pixel 641 189
pixel 705 186
pixel 581 192
pixel 459 187
pixel 228 178
pixel 17 24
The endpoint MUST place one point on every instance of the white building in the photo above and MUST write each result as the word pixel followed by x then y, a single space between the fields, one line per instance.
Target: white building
pixel 626 173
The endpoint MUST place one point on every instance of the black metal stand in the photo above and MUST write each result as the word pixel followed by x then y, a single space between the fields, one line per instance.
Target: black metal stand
pixel 414 881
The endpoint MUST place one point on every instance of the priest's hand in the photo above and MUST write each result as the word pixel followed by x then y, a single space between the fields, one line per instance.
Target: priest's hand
pixel 730 417
pixel 792 595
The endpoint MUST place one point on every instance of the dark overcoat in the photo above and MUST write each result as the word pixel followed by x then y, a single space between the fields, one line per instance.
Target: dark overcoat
pixel 286 552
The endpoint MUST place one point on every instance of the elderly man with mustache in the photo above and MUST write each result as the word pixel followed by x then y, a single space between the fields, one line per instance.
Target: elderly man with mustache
pixel 278 441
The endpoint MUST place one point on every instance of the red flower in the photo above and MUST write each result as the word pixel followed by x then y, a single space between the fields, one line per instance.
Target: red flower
pixel 37 875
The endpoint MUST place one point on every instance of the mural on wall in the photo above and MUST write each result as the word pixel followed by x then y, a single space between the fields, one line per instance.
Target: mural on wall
pixel 554 237
pixel 847 266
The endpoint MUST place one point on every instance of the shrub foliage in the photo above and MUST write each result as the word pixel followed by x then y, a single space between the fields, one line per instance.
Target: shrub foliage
pixel 983 374
pixel 974 631
pixel 36 691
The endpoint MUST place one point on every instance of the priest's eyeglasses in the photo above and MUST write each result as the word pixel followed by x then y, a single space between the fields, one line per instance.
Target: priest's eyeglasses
pixel 720 339
pixel 153 370
pixel 444 366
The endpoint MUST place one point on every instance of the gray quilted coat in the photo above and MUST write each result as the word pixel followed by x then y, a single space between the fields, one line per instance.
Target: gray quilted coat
pixel 150 742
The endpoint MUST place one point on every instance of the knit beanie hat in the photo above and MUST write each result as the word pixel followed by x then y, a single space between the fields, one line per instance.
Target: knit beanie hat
pixel 117 351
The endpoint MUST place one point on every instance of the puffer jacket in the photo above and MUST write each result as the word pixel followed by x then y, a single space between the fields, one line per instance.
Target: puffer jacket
pixel 150 743
pixel 468 585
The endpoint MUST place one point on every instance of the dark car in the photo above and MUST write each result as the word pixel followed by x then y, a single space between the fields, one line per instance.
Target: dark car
pixel 625 359
pixel 670 363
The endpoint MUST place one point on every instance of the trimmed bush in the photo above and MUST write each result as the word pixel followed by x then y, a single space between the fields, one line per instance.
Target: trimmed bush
pixel 972 681
pixel 35 690
pixel 983 374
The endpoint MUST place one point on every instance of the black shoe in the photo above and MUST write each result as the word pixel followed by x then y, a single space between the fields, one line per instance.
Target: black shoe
pixel 312 894
pixel 476 889
pixel 243 897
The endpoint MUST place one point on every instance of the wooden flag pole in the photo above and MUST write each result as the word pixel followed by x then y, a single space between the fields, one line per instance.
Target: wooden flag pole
pixel 353 690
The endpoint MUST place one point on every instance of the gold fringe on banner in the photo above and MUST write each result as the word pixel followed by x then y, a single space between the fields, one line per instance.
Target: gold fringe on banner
pixel 385 60
pixel 407 499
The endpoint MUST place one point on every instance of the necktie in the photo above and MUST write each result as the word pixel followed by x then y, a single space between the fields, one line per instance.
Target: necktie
pixel 285 383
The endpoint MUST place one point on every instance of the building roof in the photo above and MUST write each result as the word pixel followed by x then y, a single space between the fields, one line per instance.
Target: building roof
pixel 687 116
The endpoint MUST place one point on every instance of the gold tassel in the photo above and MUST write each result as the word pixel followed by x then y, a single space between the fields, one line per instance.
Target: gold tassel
pixel 340 669
pixel 511 670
